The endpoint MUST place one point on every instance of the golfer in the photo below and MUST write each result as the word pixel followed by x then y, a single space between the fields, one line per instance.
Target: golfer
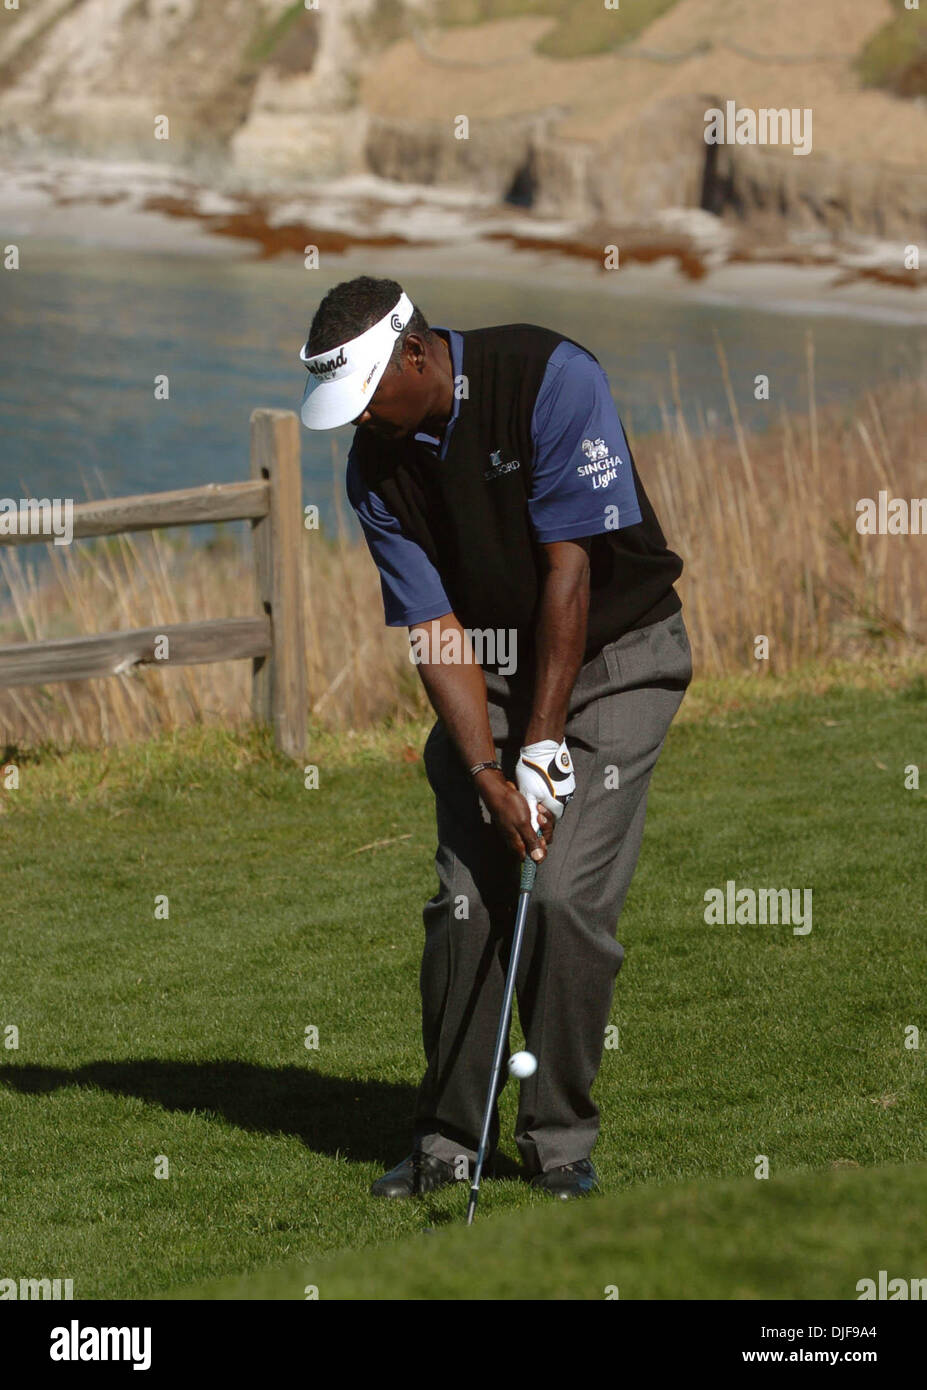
pixel 501 504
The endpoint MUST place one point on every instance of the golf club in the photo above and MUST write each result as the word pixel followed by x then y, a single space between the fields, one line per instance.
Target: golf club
pixel 528 871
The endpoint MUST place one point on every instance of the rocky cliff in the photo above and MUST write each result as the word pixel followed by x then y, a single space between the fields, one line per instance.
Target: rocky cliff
pixel 276 95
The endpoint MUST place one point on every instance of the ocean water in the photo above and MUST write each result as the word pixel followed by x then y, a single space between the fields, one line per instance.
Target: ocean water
pixel 85 331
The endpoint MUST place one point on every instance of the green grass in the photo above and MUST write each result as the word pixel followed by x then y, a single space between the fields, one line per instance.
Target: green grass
pixel 142 1037
pixel 896 56
pixel 268 36
pixel 802 1236
pixel 581 29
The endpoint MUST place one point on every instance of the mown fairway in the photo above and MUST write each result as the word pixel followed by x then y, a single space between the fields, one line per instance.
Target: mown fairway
pixel 805 1236
pixel 141 1037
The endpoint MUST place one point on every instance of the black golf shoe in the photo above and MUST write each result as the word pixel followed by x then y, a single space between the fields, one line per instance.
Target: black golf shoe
pixel 570 1180
pixel 414 1176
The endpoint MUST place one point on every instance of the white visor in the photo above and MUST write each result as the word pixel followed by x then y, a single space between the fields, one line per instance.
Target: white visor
pixel 343 379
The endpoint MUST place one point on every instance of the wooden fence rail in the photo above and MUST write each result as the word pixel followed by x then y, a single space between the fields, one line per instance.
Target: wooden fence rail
pixel 274 639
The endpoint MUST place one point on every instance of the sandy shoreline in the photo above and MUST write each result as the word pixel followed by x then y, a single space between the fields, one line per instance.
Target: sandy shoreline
pixel 420 230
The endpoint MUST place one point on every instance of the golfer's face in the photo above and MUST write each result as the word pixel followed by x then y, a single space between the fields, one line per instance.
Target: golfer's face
pixel 379 425
pixel 389 414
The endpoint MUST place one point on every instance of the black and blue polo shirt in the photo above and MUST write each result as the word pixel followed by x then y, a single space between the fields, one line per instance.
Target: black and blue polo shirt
pixel 534 452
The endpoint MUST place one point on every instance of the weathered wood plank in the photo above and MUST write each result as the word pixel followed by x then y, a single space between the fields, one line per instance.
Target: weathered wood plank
pixel 279 685
pixel 110 653
pixel 187 506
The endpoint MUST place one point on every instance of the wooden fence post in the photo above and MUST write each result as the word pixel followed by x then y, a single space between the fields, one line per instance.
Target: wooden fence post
pixel 278 687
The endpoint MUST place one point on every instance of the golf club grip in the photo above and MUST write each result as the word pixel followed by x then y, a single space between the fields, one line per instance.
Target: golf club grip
pixel 529 869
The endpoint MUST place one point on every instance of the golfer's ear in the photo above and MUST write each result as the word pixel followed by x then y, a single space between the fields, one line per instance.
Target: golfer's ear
pixel 414 349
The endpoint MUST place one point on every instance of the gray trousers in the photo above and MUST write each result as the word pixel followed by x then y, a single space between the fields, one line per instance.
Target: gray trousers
pixel 619 714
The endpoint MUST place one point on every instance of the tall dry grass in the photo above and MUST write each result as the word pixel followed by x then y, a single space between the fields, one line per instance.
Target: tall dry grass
pixel 766 524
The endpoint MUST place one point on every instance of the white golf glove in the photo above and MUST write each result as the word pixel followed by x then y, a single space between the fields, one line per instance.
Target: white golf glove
pixel 544 775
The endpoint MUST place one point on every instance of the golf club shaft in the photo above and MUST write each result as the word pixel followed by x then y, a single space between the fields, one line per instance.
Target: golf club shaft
pixel 528 872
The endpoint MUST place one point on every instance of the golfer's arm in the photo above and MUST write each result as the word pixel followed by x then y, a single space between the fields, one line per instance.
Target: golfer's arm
pixel 560 636
pixel 457 692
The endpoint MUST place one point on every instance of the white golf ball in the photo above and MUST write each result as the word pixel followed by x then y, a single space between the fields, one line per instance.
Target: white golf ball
pixel 523 1064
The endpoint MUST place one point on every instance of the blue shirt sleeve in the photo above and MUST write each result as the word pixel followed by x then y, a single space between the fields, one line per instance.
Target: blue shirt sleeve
pixel 411 586
pixel 582 482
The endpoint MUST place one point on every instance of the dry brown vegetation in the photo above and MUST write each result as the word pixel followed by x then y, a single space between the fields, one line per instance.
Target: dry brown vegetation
pixel 766 524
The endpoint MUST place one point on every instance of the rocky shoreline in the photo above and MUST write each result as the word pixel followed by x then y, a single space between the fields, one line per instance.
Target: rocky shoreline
pixel 165 208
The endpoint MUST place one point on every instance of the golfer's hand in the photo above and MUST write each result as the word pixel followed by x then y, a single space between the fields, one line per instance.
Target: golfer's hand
pixel 544 771
pixel 511 815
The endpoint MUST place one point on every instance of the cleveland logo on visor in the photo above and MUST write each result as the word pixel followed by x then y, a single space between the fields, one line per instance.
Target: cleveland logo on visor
pixel 331 364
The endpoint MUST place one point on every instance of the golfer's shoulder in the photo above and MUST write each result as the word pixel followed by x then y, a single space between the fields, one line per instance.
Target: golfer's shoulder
pixel 354 482
pixel 570 364
pixel 370 461
pixel 514 345
pixel 574 388
pixel 520 339
pixel 363 473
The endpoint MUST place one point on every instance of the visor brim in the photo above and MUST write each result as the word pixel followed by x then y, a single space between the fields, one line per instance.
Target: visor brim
pixel 328 404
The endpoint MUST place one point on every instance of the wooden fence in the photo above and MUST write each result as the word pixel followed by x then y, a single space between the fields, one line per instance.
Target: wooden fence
pixel 273 639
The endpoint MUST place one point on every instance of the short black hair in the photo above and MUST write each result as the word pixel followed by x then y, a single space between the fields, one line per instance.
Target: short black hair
pixel 352 307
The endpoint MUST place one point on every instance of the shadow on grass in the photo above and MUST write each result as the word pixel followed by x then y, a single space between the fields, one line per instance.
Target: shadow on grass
pixel 363 1121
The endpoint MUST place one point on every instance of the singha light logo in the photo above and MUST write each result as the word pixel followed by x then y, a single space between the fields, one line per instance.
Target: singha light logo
pixel 595 450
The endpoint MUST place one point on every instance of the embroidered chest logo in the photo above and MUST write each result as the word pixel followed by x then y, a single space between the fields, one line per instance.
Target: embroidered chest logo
pixel 497 468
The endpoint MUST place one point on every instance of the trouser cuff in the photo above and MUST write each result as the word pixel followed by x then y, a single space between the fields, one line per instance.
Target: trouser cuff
pixel 447 1149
